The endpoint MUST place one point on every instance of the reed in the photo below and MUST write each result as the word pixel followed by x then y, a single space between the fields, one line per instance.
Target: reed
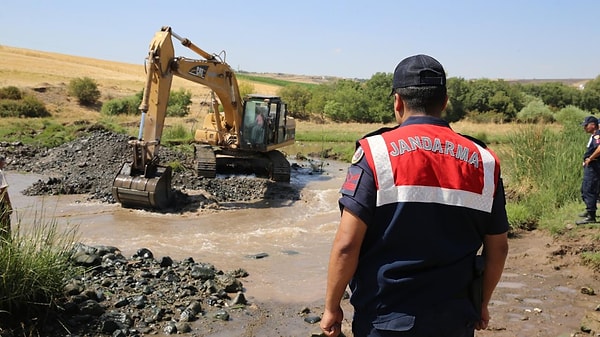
pixel 34 266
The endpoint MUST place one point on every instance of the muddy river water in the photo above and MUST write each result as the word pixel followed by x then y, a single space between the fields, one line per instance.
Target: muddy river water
pixel 293 237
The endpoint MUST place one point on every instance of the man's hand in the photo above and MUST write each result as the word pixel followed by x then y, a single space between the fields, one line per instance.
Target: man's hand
pixel 331 323
pixel 485 319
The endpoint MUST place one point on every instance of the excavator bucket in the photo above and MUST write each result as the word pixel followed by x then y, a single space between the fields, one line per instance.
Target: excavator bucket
pixel 151 190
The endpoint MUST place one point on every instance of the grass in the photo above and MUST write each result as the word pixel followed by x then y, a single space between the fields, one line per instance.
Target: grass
pixel 35 266
pixel 271 81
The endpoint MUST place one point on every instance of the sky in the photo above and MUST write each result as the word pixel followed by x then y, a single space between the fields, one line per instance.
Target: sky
pixel 495 39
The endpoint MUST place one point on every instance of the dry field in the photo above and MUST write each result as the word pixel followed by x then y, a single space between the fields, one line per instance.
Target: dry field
pixel 26 68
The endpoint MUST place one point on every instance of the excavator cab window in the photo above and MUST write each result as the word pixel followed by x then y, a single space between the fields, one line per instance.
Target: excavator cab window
pixel 256 120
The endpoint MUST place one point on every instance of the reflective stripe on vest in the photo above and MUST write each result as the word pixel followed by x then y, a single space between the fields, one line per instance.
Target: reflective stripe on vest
pixel 388 192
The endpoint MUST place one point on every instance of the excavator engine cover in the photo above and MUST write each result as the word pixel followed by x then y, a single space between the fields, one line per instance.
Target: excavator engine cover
pixel 151 190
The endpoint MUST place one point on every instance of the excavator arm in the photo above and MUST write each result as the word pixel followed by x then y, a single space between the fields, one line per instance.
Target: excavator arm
pixel 144 182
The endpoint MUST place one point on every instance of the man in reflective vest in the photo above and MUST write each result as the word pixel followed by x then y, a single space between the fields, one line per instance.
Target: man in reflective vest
pixel 418 204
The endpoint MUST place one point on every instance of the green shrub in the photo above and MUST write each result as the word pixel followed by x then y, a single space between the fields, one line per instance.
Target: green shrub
pixel 179 103
pixel 520 218
pixel 11 92
pixel 28 106
pixel 177 110
pixel 591 259
pixel 177 134
pixel 54 134
pixel 121 106
pixel 178 106
pixel 571 115
pixel 177 166
pixel 534 112
pixel 85 90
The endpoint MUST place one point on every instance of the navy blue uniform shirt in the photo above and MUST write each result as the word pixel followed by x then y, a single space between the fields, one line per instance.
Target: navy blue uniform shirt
pixel 414 254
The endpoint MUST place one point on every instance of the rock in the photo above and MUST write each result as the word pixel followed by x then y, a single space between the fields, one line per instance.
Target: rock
pixel 590 323
pixel 312 319
pixel 239 299
pixel 258 256
pixel 143 253
pixel 166 261
pixel 160 297
pixel 183 327
pixel 86 260
pixel 91 307
pixel 222 315
pixel 588 291
pixel 229 283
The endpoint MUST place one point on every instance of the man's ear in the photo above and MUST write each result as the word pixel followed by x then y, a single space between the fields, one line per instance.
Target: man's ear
pixel 445 103
pixel 398 108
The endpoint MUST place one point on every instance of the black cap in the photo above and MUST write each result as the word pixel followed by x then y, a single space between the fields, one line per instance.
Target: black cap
pixel 417 71
pixel 588 120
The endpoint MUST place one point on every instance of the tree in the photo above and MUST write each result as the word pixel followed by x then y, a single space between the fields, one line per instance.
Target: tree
pixel 457 91
pixel 297 97
pixel 485 96
pixel 590 96
pixel 553 94
pixel 376 93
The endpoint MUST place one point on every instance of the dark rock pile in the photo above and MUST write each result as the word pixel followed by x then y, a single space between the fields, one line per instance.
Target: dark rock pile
pixel 89 164
pixel 143 295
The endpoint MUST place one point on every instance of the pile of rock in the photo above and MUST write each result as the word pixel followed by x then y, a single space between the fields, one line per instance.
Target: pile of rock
pixel 143 295
pixel 89 164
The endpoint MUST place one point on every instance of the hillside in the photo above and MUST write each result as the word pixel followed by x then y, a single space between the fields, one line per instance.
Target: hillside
pixel 46 71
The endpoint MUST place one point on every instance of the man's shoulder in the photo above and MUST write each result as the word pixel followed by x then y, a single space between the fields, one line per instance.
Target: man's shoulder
pixel 380 131
pixel 376 133
pixel 475 140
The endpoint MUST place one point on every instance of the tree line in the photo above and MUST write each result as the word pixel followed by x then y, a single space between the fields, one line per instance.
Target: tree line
pixel 479 100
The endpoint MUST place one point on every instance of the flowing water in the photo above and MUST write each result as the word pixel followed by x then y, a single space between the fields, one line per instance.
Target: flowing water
pixel 295 236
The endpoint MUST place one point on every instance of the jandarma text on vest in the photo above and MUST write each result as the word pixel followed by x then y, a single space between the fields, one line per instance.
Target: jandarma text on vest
pixel 425 143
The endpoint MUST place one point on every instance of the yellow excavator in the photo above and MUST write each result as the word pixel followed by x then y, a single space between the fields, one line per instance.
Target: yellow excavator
pixel 243 137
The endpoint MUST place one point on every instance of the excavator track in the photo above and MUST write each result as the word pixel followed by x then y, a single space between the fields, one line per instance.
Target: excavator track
pixel 280 167
pixel 207 162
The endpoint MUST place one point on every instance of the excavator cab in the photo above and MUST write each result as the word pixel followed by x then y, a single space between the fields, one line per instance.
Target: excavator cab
pixel 263 128
pixel 264 123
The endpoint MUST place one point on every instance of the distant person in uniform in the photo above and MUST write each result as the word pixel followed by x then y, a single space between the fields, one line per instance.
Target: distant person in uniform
pixel 590 185
pixel 5 205
pixel 418 203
